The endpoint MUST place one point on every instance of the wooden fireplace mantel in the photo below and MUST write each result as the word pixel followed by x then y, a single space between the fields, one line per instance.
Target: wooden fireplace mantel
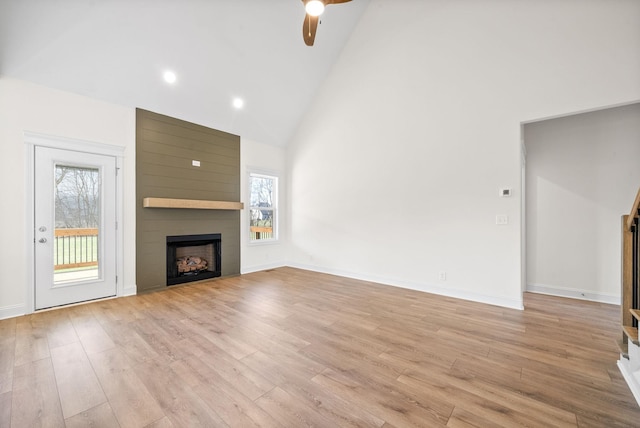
pixel 196 204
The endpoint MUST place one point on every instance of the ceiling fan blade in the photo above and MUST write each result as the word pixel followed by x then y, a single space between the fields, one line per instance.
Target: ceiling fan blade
pixel 328 2
pixel 309 28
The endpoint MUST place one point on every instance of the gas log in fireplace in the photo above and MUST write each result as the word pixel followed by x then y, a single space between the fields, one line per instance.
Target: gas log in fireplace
pixel 193 257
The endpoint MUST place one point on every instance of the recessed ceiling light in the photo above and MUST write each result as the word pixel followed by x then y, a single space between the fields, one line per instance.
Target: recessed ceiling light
pixel 238 103
pixel 169 76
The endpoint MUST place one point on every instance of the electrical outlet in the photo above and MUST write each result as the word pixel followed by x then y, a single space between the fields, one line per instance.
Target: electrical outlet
pixel 442 276
pixel 502 220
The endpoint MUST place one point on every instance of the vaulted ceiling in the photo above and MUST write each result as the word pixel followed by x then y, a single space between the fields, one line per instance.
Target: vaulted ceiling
pixel 118 50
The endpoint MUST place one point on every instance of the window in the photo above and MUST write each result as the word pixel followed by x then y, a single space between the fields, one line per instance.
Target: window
pixel 263 210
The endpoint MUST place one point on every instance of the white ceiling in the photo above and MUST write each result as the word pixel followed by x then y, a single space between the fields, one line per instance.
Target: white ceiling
pixel 117 50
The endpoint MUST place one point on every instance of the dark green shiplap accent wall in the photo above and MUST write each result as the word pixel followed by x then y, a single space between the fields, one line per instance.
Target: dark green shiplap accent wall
pixel 165 149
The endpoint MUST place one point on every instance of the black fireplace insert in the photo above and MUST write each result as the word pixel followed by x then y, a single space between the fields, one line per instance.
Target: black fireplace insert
pixel 193 257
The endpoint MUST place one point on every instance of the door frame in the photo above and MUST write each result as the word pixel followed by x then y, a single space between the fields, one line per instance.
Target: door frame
pixel 33 139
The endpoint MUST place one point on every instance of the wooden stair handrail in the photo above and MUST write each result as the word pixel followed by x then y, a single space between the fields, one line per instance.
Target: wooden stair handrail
pixel 634 211
pixel 628 281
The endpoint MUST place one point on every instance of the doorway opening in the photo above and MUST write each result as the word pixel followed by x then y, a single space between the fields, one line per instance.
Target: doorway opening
pixel 73 243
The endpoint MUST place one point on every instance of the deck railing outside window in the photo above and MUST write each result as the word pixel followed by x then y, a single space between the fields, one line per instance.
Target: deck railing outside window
pixel 258 232
pixel 75 248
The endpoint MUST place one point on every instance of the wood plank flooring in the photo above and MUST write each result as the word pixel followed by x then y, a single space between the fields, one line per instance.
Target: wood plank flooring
pixel 291 348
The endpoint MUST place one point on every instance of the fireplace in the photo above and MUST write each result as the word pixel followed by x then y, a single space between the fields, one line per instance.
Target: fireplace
pixel 193 257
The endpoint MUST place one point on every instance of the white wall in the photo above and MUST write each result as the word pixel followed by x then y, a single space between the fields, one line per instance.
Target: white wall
pixel 258 157
pixel 582 176
pixel 32 108
pixel 395 170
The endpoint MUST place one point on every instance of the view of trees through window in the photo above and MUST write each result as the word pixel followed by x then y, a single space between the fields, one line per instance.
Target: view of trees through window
pixel 77 220
pixel 263 206
pixel 77 197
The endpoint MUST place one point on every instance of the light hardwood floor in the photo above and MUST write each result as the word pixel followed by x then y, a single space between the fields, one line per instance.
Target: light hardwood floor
pixel 291 348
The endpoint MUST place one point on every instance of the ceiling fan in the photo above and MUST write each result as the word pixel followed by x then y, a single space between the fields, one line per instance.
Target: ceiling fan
pixel 314 9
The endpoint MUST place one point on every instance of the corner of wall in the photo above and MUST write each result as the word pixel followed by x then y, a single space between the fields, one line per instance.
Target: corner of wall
pixel 12 311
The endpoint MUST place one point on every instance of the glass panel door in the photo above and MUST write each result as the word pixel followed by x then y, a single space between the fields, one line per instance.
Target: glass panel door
pixel 75 227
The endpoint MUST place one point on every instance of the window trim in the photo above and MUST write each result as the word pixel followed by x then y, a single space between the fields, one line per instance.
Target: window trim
pixel 251 173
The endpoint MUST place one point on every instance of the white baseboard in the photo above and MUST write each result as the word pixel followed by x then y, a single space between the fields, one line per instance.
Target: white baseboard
pixel 424 287
pixel 573 293
pixel 129 291
pixel 258 268
pixel 19 310
pixel 12 311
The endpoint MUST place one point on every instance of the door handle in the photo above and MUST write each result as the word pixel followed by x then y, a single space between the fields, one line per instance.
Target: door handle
pixel 42 240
